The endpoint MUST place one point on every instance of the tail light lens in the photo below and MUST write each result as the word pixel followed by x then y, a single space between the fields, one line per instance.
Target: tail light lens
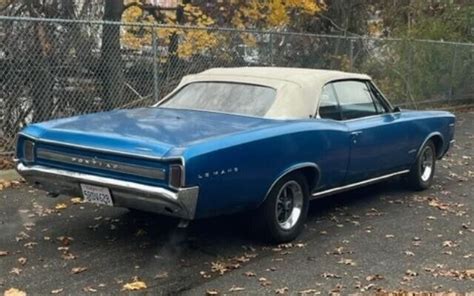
pixel 176 176
pixel 29 151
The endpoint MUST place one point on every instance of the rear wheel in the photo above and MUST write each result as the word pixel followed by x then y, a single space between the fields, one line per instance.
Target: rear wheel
pixel 282 215
pixel 421 174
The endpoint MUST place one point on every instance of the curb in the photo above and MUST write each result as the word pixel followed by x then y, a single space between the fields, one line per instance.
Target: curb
pixel 9 175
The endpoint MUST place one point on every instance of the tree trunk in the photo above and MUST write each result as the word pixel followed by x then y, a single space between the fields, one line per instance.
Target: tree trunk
pixel 173 60
pixel 111 71
pixel 42 78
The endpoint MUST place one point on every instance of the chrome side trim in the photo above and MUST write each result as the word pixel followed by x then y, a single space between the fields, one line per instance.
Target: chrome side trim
pixel 100 163
pixel 357 184
pixel 438 153
pixel 181 203
pixel 180 158
pixel 292 169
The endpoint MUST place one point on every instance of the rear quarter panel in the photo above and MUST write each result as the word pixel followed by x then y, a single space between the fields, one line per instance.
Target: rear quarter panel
pixel 235 172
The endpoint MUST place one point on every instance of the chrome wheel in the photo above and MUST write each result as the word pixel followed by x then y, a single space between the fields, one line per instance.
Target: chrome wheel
pixel 289 204
pixel 426 163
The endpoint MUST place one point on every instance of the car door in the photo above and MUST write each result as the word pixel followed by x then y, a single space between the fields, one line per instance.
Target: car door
pixel 379 139
pixel 337 147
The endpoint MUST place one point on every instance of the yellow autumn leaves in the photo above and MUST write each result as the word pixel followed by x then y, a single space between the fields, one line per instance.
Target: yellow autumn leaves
pixel 192 41
pixel 272 13
pixel 244 15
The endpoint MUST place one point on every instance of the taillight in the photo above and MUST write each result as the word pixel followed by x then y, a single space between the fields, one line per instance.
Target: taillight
pixel 28 151
pixel 176 176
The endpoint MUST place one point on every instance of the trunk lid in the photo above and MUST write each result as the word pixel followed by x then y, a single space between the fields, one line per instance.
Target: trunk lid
pixel 143 131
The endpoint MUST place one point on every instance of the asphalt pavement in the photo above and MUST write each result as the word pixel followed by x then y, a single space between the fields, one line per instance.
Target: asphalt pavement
pixel 379 238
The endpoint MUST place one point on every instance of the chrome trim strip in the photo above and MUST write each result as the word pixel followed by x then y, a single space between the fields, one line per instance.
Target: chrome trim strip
pixel 292 169
pixel 100 163
pixel 180 158
pixel 357 184
pixel 21 168
pixel 438 153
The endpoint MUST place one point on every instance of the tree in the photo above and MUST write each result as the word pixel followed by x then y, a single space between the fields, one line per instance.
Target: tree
pixel 112 65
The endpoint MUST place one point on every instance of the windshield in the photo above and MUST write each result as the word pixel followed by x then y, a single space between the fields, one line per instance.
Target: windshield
pixel 228 97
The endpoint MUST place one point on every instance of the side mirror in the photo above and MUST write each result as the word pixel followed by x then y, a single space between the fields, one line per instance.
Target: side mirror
pixel 396 109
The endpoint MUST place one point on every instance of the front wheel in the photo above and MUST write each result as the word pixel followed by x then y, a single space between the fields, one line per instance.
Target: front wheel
pixel 422 172
pixel 282 215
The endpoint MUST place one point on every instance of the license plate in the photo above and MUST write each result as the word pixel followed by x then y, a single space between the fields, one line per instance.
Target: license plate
pixel 97 194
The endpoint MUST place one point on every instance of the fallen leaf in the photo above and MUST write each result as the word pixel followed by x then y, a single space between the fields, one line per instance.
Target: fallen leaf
pixel 68 256
pixel 134 286
pixel 218 267
pixel 16 270
pixel 60 206
pixel 250 274
pixel 211 292
pixel 14 292
pixel 76 200
pixel 65 240
pixel 349 262
pixel 264 282
pixel 236 289
pixel 309 291
pixel 389 236
pixel 374 277
pixel 281 290
pixel 77 270
pixel 57 291
pixel 161 275
pixel 3 253
pixel 409 253
pixel 22 260
pixel 330 275
pixel 242 259
pixel 89 289
pixel 449 244
pixel 30 245
pixel 368 287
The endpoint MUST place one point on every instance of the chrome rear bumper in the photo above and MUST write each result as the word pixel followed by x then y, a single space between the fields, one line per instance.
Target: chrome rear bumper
pixel 180 203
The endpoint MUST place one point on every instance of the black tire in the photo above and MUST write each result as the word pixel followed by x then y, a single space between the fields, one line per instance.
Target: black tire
pixel 266 220
pixel 420 178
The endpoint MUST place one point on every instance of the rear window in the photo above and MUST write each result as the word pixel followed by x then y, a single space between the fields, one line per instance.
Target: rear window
pixel 227 97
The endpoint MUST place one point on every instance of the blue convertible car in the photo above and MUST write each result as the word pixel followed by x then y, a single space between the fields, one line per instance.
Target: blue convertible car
pixel 257 139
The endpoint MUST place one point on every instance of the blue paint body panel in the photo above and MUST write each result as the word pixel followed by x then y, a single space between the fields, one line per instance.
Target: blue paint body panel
pixel 235 159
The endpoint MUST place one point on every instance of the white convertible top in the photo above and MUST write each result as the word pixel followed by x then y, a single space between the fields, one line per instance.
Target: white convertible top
pixel 298 89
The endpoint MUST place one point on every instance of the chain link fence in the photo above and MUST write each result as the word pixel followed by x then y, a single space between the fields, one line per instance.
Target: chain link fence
pixel 59 68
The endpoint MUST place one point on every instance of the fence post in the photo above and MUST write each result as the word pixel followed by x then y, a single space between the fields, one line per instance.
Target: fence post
pixel 453 68
pixel 351 54
pixel 272 62
pixel 154 45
